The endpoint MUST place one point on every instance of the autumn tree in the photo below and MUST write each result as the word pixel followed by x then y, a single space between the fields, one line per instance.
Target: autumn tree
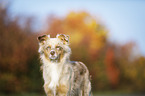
pixel 18 55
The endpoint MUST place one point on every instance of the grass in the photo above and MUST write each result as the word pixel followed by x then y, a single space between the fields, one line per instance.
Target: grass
pixel 117 93
pixel 99 93
pixel 23 94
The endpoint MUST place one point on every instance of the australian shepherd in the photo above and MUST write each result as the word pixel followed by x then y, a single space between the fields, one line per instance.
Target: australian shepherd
pixel 62 77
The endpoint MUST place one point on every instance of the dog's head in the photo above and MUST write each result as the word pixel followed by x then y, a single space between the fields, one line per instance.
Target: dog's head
pixel 54 49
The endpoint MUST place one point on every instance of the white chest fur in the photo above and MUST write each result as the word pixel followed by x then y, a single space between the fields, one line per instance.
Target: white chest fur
pixel 51 74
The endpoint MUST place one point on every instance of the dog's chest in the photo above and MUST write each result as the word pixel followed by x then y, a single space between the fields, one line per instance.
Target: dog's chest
pixel 52 73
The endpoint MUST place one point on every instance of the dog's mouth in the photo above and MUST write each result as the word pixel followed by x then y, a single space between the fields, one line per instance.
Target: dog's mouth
pixel 53 58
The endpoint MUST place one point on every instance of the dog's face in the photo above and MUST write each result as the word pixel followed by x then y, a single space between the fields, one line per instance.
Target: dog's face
pixel 54 49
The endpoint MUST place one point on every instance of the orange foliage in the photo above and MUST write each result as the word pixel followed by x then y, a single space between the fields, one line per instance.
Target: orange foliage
pixel 112 70
pixel 83 30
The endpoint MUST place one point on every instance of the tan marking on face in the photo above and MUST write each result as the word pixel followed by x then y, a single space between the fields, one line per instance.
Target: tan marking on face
pixel 60 52
pixel 47 50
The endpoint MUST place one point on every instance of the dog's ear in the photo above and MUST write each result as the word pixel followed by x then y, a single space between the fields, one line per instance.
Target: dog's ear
pixel 43 38
pixel 64 38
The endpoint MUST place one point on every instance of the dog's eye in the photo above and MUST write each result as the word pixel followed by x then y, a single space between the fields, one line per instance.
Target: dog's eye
pixel 58 47
pixel 48 47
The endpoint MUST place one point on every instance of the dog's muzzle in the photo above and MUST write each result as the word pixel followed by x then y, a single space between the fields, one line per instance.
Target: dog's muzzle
pixel 52 52
pixel 53 55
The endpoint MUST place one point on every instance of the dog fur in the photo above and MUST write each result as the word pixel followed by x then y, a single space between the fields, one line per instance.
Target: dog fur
pixel 62 77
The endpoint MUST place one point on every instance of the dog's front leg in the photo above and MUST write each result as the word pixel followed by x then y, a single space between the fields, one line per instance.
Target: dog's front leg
pixel 48 91
pixel 62 90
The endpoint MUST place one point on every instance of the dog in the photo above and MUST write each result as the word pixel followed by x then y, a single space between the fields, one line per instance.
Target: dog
pixel 62 77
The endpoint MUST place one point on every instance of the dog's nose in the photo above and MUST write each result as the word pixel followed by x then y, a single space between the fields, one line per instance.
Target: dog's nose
pixel 52 52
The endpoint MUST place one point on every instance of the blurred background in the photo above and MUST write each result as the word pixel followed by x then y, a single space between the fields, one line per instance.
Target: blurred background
pixel 107 35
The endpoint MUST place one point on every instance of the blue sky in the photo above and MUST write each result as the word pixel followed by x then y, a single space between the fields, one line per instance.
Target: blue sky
pixel 125 19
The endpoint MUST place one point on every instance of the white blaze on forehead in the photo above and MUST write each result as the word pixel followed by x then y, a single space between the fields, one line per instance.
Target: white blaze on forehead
pixel 53 42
